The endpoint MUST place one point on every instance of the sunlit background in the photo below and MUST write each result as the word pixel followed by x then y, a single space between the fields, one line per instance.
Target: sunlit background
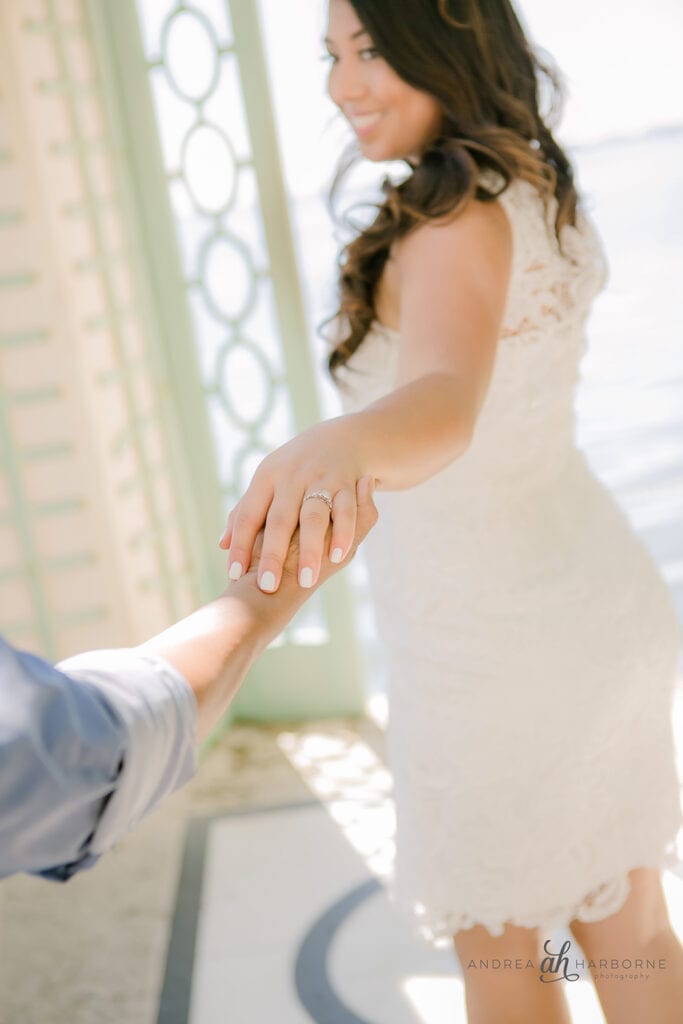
pixel 623 126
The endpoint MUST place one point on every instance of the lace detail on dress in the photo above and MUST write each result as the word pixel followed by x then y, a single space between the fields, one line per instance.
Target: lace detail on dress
pixel 549 288
pixel 554 304
pixel 602 902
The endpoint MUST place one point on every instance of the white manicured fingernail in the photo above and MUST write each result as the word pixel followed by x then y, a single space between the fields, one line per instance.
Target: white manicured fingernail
pixel 336 555
pixel 268 581
pixel 235 570
pixel 306 577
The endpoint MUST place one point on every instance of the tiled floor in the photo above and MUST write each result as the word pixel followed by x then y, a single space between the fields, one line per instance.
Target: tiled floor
pixel 290 910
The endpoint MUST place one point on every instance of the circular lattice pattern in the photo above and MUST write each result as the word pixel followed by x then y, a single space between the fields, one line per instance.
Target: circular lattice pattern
pixel 209 168
pixel 190 54
pixel 227 278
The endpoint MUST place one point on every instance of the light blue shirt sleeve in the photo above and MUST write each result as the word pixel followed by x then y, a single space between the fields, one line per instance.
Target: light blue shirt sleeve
pixel 88 748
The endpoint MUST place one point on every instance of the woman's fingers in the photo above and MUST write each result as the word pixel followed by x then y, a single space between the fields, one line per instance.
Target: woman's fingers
pixel 280 525
pixel 226 536
pixel 366 513
pixel 282 514
pixel 249 516
pixel 314 520
pixel 343 523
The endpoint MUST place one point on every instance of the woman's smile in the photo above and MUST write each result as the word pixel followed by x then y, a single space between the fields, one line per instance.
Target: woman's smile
pixel 391 119
pixel 364 124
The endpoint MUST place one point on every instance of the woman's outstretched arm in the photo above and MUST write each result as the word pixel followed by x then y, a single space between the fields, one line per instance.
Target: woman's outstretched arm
pixel 453 279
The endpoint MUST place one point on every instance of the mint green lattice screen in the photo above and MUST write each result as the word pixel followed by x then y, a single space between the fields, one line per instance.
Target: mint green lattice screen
pixel 93 541
pixel 190 87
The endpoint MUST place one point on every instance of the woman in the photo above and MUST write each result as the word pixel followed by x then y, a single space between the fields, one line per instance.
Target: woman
pixel 532 643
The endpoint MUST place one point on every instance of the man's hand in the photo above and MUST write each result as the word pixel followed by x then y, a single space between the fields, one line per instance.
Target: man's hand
pixel 215 647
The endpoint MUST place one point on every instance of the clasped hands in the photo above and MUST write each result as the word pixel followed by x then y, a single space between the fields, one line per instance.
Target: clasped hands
pixel 320 459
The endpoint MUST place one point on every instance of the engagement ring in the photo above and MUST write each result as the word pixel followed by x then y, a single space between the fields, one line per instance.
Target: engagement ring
pixel 323 495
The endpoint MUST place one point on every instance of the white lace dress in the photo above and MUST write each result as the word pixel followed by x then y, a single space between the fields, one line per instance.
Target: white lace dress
pixel 532 643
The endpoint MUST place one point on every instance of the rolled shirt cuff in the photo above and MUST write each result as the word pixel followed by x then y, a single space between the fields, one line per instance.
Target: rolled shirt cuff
pixel 159 710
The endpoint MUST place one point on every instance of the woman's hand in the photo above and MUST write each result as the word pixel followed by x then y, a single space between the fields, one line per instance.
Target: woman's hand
pixel 215 646
pixel 320 459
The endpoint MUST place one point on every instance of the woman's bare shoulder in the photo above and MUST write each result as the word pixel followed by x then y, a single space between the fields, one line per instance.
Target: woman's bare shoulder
pixel 479 229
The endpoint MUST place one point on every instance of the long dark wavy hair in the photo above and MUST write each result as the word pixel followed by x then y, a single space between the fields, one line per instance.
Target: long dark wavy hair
pixel 473 56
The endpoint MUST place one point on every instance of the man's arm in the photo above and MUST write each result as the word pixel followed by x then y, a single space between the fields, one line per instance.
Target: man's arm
pixel 90 747
pixel 215 646
pixel 62 744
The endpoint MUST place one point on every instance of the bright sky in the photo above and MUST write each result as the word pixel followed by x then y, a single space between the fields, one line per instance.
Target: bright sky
pixel 621 60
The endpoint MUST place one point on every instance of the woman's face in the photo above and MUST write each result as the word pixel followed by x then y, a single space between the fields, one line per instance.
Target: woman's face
pixel 391 119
